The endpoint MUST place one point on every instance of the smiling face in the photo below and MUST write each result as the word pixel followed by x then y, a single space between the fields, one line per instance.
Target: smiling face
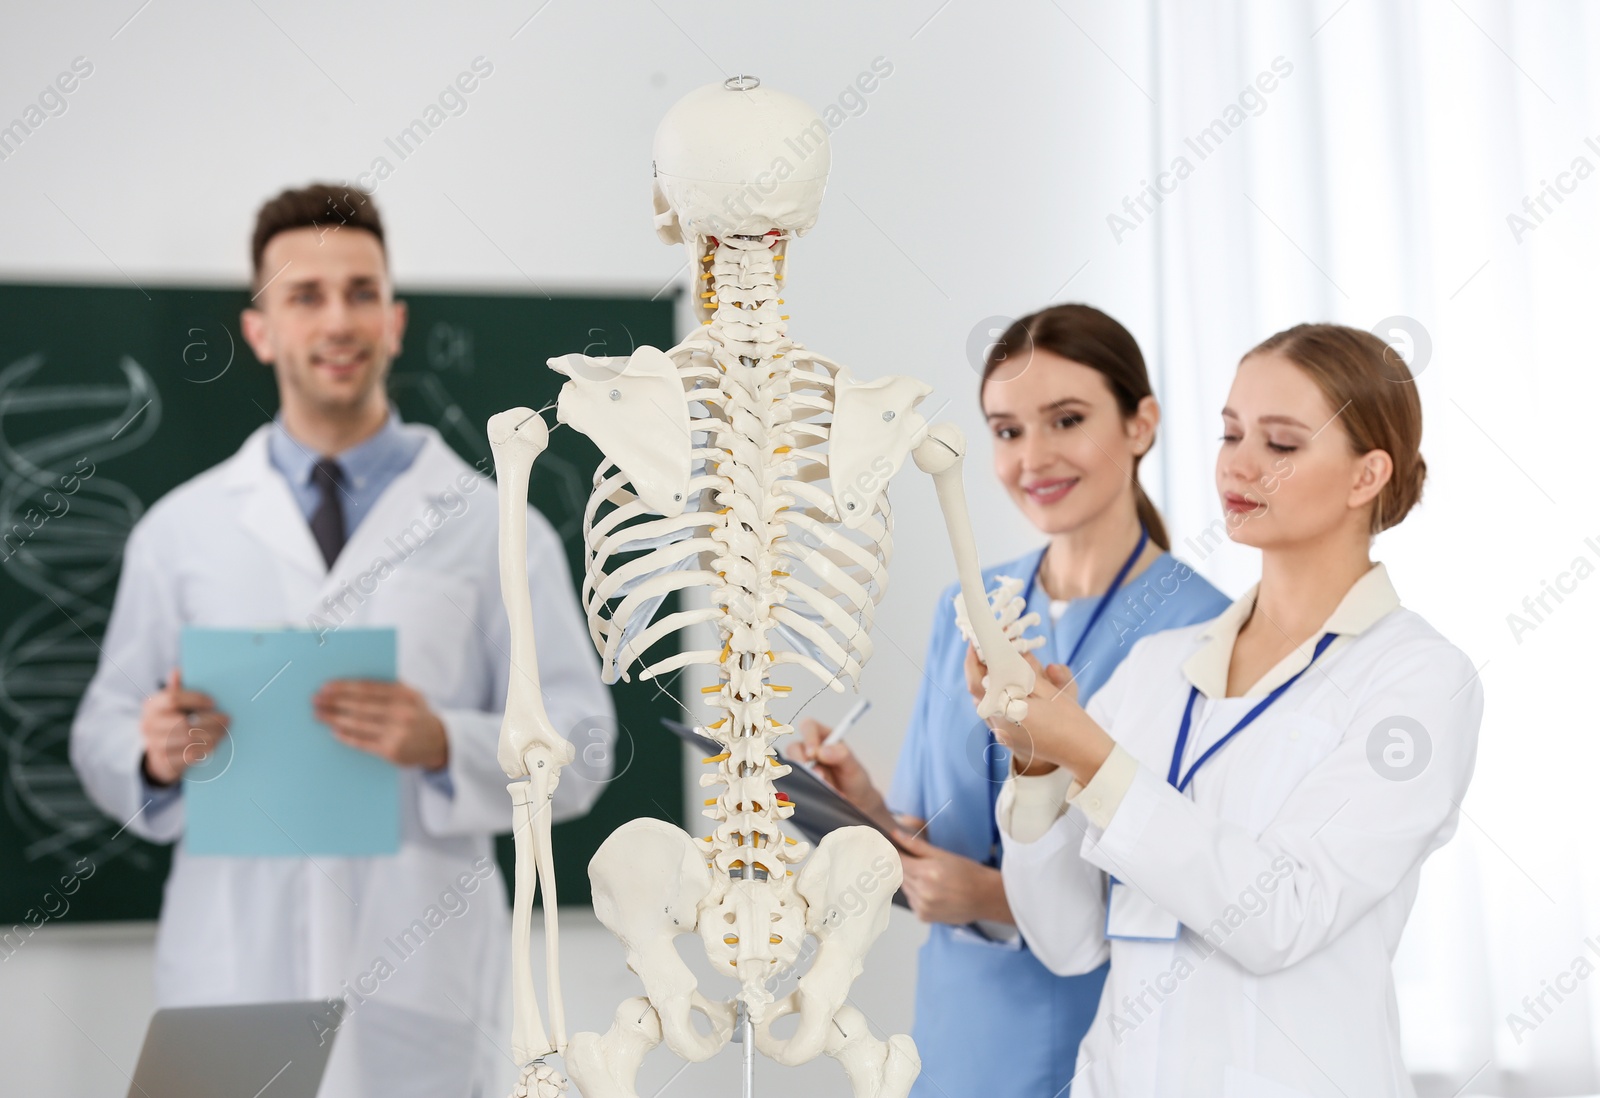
pixel 326 321
pixel 1062 447
pixel 1287 472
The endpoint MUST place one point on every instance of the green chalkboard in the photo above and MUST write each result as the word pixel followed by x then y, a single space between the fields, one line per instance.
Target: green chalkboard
pixel 151 385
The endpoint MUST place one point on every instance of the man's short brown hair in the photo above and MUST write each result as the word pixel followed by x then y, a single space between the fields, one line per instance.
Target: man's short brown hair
pixel 310 206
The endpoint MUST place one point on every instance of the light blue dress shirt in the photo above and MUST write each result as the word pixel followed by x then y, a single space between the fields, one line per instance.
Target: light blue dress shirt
pixel 991 1020
pixel 369 467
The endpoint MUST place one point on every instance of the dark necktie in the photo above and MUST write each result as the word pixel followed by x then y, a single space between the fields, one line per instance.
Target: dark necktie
pixel 327 521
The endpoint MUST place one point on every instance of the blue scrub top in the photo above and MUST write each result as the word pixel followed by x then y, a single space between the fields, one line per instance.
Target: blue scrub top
pixel 990 1019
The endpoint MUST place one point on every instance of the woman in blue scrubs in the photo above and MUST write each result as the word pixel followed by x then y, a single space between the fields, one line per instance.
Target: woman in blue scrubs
pixel 1070 409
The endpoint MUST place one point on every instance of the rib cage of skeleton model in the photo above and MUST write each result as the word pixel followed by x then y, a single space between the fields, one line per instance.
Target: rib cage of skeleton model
pixel 740 465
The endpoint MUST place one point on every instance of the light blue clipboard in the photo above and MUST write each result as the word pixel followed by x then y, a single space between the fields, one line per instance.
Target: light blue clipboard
pixel 279 783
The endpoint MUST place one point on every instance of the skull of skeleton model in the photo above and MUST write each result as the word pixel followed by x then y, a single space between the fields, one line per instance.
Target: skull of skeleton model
pixel 771 176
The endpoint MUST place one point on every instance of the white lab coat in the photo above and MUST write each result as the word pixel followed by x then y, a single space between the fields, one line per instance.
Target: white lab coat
pixel 415 943
pixel 1296 852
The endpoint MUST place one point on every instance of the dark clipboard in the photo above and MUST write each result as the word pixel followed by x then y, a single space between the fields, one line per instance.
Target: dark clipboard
pixel 817 808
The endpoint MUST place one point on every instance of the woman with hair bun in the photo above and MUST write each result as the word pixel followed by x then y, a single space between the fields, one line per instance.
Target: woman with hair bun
pixel 1071 413
pixel 1239 818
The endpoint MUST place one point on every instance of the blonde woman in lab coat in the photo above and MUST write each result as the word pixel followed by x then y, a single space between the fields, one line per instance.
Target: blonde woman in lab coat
pixel 1240 818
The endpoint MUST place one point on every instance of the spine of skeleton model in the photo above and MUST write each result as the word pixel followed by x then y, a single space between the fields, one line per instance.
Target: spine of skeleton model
pixel 755 924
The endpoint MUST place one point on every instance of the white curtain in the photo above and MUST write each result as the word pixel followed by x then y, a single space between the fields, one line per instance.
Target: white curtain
pixel 1384 175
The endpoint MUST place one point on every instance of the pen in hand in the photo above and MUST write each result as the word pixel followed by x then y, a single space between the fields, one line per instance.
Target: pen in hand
pixel 844 724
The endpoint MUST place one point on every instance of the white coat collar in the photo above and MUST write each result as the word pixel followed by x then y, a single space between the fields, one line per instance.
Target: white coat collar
pixel 269 510
pixel 1369 598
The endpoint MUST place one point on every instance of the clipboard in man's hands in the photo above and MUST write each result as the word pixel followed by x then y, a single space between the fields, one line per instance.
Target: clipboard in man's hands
pixel 818 808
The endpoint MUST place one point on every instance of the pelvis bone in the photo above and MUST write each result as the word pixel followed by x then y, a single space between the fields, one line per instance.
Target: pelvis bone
pixel 649 881
pixel 848 885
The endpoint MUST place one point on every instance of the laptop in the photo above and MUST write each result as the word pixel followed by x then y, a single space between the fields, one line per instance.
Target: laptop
pixel 277 1049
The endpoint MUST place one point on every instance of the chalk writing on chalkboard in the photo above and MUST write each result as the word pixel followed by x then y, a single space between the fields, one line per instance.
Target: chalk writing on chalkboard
pixel 63 522
pixel 129 392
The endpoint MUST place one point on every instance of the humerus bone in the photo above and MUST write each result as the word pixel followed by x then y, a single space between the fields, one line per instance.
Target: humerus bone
pixel 1010 679
pixel 531 752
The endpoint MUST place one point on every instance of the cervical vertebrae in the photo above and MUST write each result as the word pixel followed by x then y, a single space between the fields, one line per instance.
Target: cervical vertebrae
pixel 744 467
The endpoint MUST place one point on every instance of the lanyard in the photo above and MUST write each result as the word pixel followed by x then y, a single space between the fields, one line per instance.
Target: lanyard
pixel 1099 609
pixel 1260 708
pixel 1105 599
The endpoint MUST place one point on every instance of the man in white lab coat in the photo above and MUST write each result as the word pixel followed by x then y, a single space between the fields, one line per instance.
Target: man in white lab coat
pixel 335 514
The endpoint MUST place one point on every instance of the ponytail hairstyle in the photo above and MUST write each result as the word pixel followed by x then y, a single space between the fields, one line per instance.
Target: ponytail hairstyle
pixel 1087 336
pixel 1376 397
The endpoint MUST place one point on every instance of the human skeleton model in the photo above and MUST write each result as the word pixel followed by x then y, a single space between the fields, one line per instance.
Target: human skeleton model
pixel 743 466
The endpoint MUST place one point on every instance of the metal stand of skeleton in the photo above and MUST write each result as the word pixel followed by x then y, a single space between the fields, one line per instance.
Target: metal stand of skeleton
pixel 743 466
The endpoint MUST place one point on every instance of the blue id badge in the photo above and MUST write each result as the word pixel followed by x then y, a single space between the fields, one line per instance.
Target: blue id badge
pixel 1132 916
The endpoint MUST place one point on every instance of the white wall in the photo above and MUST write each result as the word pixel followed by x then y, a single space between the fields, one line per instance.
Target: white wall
pixel 973 184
